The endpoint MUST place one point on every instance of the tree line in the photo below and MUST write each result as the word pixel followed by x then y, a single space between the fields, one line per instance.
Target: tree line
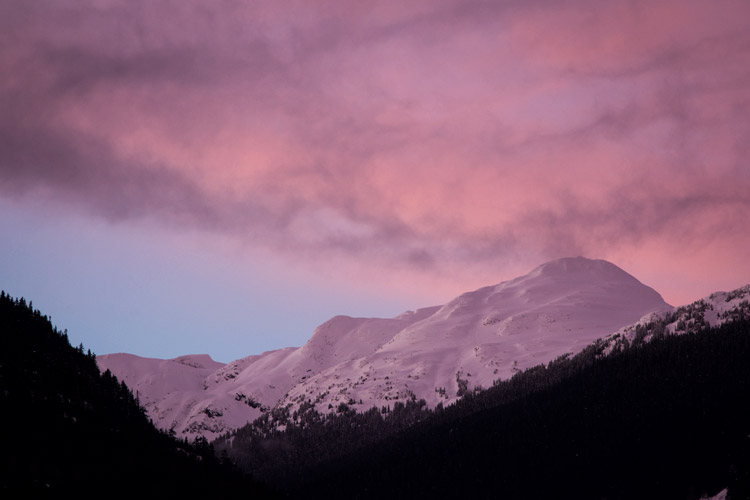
pixel 64 426
pixel 668 418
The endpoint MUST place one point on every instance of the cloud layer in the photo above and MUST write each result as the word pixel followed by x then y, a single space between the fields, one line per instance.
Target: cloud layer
pixel 434 136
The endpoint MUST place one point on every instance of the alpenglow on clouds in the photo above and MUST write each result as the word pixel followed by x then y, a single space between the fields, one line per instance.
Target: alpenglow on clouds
pixel 360 149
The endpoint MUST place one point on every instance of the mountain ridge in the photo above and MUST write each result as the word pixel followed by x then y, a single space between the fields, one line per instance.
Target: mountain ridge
pixel 433 353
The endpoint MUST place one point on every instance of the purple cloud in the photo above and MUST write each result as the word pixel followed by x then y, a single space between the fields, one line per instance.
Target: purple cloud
pixel 424 136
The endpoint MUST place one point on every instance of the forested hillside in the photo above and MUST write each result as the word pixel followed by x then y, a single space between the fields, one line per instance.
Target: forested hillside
pixel 669 418
pixel 66 426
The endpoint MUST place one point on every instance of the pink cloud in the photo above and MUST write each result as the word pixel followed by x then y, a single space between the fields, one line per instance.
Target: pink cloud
pixel 435 138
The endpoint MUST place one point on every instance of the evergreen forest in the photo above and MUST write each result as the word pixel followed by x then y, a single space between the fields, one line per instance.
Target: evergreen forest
pixel 64 426
pixel 668 419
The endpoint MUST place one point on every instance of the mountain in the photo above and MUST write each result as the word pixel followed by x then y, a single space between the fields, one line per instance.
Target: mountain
pixel 197 401
pixel 485 335
pixel 437 353
pixel 165 388
pixel 655 410
pixel 65 426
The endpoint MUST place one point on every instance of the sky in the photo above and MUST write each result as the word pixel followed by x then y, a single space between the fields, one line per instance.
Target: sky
pixel 221 177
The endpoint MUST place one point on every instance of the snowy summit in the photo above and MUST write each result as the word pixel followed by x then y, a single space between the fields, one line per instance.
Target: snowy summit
pixel 436 353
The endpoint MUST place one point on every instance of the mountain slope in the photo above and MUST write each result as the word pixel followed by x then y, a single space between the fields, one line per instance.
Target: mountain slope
pixel 490 333
pixel 668 419
pixel 436 353
pixel 662 413
pixel 66 426
pixel 195 401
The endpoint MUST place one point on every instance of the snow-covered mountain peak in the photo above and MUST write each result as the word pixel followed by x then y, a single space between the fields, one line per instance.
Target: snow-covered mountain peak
pixel 343 338
pixel 419 314
pixel 575 293
pixel 198 361
pixel 487 334
pixel 436 353
pixel 581 266
pixel 567 275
